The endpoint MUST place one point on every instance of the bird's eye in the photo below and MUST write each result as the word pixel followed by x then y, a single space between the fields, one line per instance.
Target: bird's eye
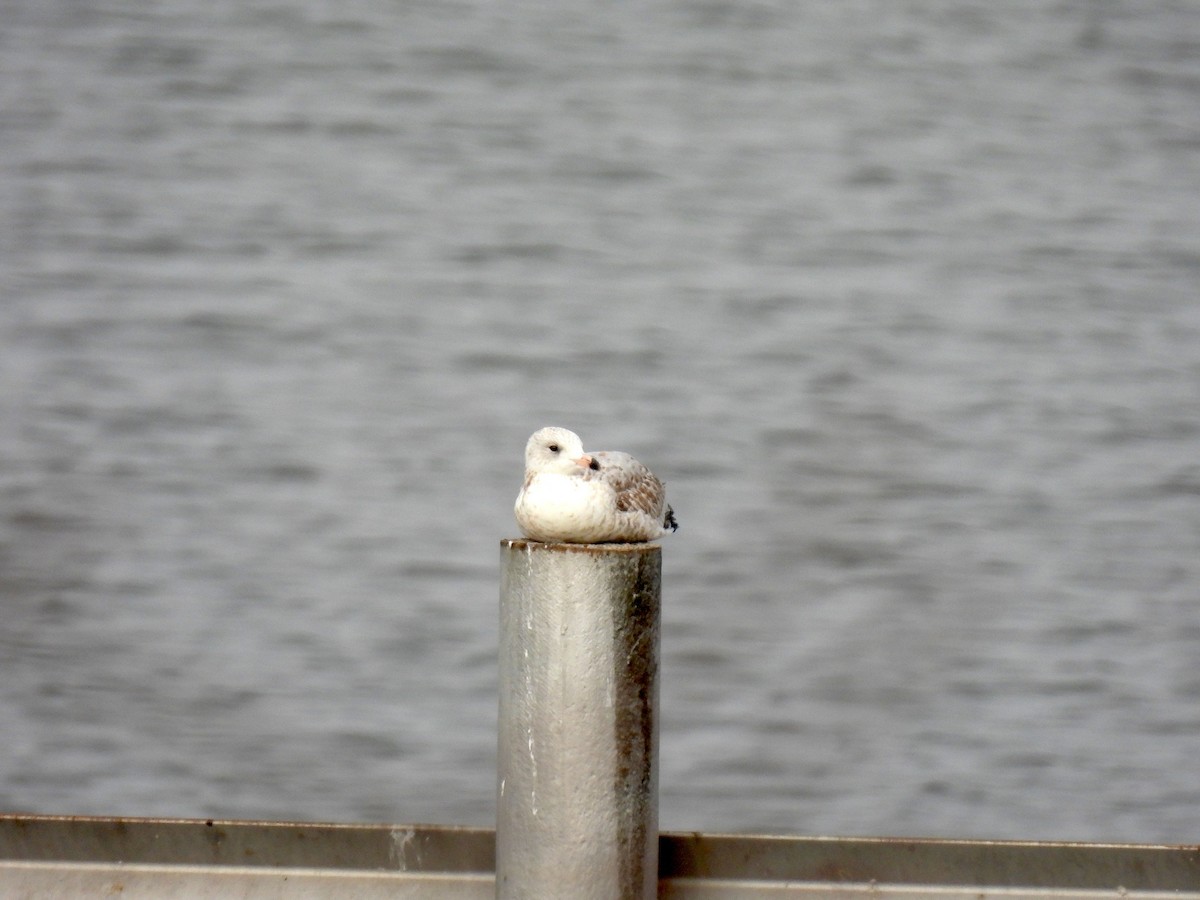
pixel 553 448
pixel 594 465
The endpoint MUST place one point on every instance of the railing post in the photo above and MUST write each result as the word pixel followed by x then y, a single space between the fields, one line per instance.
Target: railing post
pixel 577 773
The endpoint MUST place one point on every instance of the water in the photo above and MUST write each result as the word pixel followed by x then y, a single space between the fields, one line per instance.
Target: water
pixel 900 298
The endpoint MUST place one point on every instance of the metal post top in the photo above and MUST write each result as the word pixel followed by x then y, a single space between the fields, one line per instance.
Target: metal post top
pixel 590 549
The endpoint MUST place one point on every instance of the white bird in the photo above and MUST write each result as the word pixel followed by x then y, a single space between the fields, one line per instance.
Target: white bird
pixel 573 497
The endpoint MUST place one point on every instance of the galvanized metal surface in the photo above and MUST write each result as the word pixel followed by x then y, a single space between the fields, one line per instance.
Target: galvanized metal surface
pixel 729 866
pixel 43 881
pixel 47 856
pixel 577 785
pixel 214 842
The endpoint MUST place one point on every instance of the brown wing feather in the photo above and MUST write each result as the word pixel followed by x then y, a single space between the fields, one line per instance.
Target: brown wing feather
pixel 636 487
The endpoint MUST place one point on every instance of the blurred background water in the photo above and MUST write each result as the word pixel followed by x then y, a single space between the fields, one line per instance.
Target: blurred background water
pixel 901 298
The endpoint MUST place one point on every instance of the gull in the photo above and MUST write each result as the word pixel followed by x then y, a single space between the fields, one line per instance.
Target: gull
pixel 573 497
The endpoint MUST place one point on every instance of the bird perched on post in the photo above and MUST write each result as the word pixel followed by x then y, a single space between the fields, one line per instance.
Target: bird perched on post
pixel 573 497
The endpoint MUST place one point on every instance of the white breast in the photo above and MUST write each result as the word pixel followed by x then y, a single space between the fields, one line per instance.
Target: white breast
pixel 561 508
pixel 569 509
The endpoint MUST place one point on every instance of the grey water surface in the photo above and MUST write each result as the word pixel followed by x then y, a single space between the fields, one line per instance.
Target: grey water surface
pixel 902 299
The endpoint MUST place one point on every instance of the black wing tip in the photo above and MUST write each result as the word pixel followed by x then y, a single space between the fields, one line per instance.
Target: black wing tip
pixel 669 520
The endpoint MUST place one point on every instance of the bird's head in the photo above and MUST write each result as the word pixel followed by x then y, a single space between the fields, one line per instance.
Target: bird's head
pixel 556 450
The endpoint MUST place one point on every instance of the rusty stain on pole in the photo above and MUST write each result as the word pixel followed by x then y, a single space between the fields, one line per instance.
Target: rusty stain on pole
pixel 577 773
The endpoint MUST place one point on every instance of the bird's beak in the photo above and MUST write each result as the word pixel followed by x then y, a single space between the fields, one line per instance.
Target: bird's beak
pixel 584 461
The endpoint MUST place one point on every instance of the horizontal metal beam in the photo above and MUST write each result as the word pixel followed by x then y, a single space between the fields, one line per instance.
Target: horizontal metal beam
pixel 165 858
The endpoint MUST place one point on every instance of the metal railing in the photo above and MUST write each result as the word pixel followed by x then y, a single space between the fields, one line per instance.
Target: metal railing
pixel 68 856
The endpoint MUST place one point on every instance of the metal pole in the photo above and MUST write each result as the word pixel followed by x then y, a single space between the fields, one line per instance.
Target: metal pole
pixel 577 785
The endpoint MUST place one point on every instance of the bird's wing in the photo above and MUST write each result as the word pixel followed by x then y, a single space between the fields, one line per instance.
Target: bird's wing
pixel 636 487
